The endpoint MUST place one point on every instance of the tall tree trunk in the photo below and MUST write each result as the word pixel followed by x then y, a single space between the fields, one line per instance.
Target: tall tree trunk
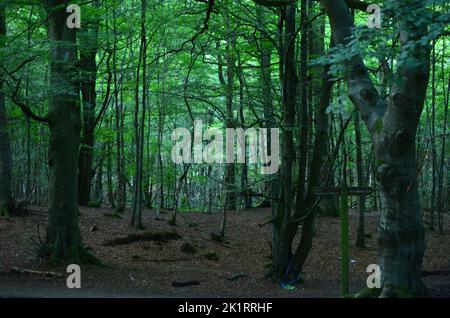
pixel 230 174
pixel 266 48
pixel 109 173
pixel 360 241
pixel 161 115
pixel 27 120
pixel 393 125
pixel 88 68
pixel 244 193
pixel 303 108
pixel 63 231
pixel 228 85
pixel 5 145
pixel 159 169
pixel 305 209
pixel 308 212
pixel 282 236
pixel 119 114
pixel 440 196
pixel 136 218
pixel 433 140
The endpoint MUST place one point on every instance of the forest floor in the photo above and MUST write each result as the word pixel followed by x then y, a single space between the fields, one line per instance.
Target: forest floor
pixel 235 268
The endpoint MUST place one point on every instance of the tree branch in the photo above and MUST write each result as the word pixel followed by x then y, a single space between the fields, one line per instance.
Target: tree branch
pixel 362 91
pixel 352 4
pixel 25 109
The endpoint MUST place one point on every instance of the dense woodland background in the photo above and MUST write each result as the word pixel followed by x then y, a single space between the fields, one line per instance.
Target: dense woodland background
pixel 86 115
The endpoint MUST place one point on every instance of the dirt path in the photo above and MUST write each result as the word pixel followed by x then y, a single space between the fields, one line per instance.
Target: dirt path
pixel 17 287
pixel 148 268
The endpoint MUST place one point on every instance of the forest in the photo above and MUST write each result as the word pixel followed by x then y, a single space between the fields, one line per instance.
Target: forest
pixel 269 148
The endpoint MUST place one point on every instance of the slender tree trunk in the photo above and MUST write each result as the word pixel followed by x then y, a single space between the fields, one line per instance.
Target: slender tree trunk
pixel 433 140
pixel 209 190
pixel 282 236
pixel 136 218
pixel 266 48
pixel 360 241
pixel 5 145
pixel 303 109
pixel 120 156
pixel 230 179
pixel 440 197
pixel 27 120
pixel 98 189
pixel 88 68
pixel 305 209
pixel 315 177
pixel 159 169
pixel 109 172
pixel 244 193
pixel 177 189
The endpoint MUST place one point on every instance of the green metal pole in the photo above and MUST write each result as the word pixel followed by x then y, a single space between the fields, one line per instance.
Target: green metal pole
pixel 344 239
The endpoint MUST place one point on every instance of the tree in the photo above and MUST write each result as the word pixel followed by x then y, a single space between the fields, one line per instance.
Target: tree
pixel 63 237
pixel 88 72
pixel 136 217
pixel 392 124
pixel 360 241
pixel 5 148
pixel 266 48
pixel 283 227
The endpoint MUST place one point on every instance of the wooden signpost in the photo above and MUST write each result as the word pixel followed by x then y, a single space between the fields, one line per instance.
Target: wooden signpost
pixel 344 191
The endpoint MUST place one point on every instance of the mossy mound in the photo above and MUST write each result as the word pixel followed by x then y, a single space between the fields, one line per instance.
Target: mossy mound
pixel 211 256
pixel 188 248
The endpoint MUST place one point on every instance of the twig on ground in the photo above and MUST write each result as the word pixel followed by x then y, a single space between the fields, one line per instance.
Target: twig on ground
pixel 34 272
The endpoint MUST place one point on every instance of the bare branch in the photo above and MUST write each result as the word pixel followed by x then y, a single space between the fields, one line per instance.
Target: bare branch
pixel 25 109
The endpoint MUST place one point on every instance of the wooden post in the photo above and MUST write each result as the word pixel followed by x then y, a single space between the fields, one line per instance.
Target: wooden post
pixel 344 191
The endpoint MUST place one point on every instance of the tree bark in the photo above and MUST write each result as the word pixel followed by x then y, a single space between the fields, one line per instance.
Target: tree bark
pixel 5 145
pixel 282 227
pixel 266 48
pixel 360 241
pixel 88 68
pixel 440 196
pixel 63 232
pixel 309 210
pixel 136 218
pixel 393 126
pixel 121 190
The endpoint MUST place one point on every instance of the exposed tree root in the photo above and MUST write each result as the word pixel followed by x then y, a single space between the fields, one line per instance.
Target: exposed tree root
pixel 390 291
pixel 34 272
pixel 78 255
pixel 387 291
pixel 180 259
pixel 113 215
pixel 185 284
pixel 57 255
pixel 158 236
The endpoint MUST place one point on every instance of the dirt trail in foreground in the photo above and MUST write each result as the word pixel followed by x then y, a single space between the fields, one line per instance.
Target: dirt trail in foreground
pixel 148 268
